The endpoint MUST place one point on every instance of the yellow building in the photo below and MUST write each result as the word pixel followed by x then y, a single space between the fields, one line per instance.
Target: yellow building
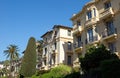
pixel 97 22
pixel 57 47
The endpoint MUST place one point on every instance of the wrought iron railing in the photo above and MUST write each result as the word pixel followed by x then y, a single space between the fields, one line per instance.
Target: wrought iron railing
pixel 109 32
pixel 78 44
pixel 92 39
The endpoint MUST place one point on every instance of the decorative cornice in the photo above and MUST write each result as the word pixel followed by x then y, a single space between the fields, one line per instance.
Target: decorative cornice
pixel 61 26
pixel 46 33
pixel 83 9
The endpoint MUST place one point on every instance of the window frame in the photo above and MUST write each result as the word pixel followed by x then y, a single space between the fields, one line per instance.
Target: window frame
pixel 90 35
pixel 79 41
pixel 107 5
pixel 69 59
pixel 78 23
pixel 110 27
pixel 94 9
pixel 89 14
pixel 69 32
pixel 55 45
pixel 45 51
pixel 69 45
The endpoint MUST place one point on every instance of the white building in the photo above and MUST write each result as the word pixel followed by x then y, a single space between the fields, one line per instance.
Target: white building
pixel 57 47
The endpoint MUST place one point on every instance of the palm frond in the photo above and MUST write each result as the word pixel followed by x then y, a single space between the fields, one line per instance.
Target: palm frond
pixel 11 52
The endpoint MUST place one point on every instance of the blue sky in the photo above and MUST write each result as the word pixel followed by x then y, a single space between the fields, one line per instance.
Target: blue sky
pixel 21 19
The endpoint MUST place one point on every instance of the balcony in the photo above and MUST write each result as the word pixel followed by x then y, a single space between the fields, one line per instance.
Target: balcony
pixel 78 47
pixel 69 52
pixel 93 40
pixel 106 13
pixel 109 35
pixel 77 30
pixel 91 21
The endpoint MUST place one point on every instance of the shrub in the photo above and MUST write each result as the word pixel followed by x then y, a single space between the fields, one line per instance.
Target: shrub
pixel 39 72
pixel 76 69
pixel 110 68
pixel 95 73
pixel 94 57
pixel 34 76
pixel 73 75
pixel 61 70
pixel 58 72
pixel 47 75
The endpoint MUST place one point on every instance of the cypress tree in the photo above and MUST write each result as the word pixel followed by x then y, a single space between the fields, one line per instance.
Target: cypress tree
pixel 28 66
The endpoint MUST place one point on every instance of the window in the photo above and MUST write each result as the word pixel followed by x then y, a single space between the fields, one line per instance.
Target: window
pixel 90 35
pixel 45 51
pixel 50 62
pixel 55 33
pixel 55 45
pixel 69 46
pixel 79 41
pixel 110 27
pixel 46 39
pixel 69 32
pixel 107 5
pixel 54 59
pixel 89 14
pixel 44 62
pixel 69 60
pixel 94 12
pixel 112 47
pixel 78 23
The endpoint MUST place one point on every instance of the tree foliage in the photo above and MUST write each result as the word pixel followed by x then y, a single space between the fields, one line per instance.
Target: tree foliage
pixel 28 67
pixel 94 56
pixel 110 68
pixel 12 52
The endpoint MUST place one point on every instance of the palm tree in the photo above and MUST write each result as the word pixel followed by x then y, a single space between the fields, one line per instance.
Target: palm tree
pixel 12 54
